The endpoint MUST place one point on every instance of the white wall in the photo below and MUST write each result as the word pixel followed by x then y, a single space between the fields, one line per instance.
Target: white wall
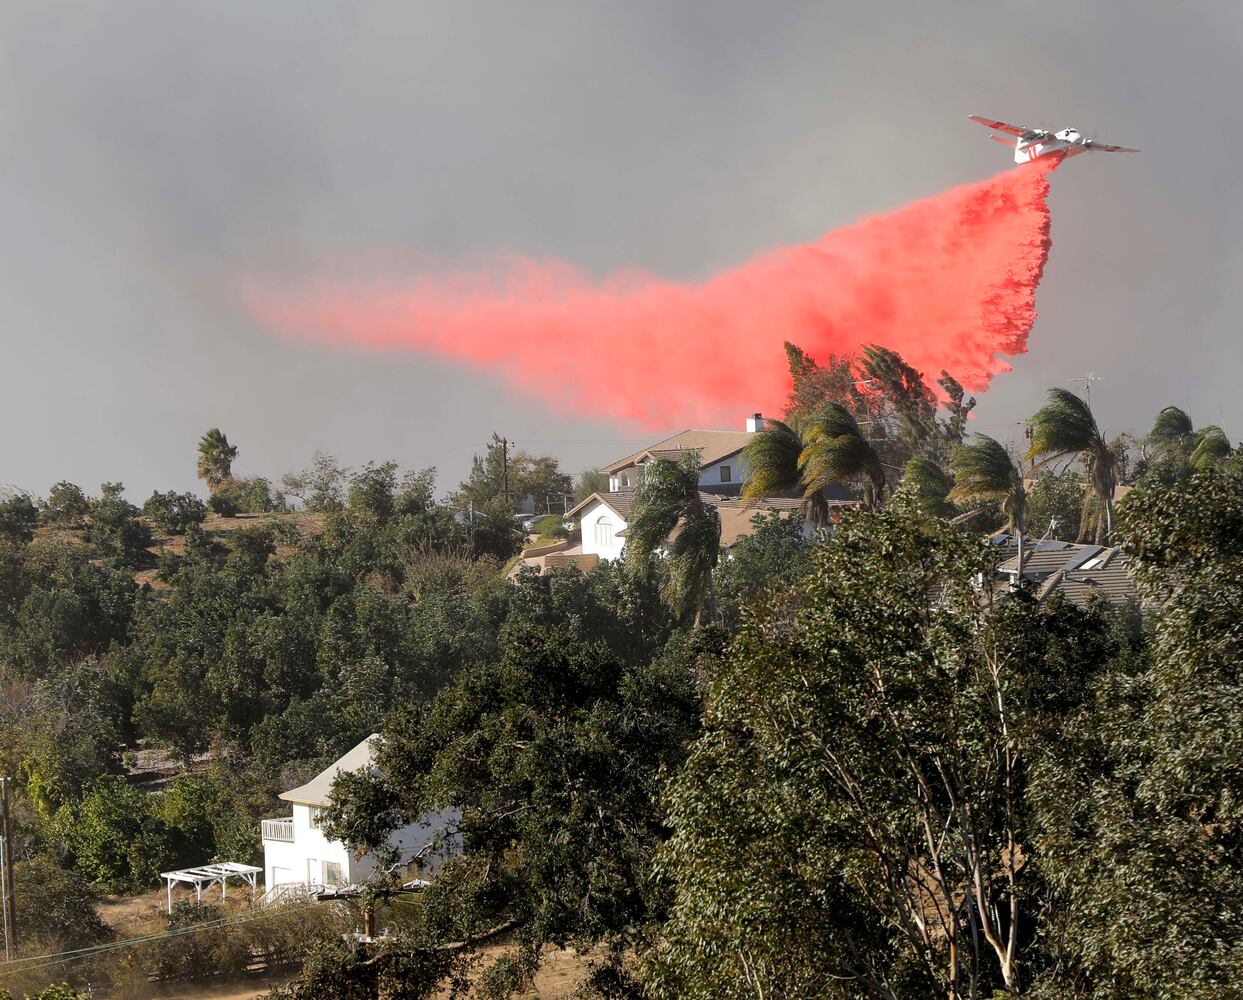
pixel 284 862
pixel 600 525
pixel 710 475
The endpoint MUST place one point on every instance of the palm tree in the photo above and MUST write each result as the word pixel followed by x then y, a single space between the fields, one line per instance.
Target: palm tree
pixel 1174 436
pixel 985 472
pixel 824 448
pixel 837 451
pixel 667 508
pixel 929 485
pixel 215 459
pixel 1211 447
pixel 1065 428
pixel 1171 428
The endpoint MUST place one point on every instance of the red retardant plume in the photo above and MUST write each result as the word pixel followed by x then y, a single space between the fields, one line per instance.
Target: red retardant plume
pixel 947 282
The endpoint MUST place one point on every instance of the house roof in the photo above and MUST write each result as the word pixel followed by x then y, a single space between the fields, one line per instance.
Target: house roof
pixel 620 501
pixel 711 445
pixel 318 790
pixel 1106 574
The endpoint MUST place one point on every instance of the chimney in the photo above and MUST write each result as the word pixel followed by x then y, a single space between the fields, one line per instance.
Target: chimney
pixel 755 423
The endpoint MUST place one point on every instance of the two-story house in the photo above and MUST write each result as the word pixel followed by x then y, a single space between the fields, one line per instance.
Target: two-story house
pixel 295 849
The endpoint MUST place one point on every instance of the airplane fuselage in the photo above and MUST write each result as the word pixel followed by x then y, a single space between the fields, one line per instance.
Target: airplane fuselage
pixel 1068 142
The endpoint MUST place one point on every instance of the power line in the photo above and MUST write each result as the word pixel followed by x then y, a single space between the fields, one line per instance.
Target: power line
pixel 33 962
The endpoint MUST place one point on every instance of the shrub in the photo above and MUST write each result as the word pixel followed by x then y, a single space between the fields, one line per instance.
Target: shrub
pixel 245 496
pixel 551 526
pixel 66 505
pixel 173 512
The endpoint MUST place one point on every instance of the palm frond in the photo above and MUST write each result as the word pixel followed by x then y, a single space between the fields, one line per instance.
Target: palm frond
pixel 693 552
pixel 835 450
pixel 984 472
pixel 771 461
pixel 1063 426
pixel 659 502
pixel 1211 447
pixel 1172 425
pixel 929 485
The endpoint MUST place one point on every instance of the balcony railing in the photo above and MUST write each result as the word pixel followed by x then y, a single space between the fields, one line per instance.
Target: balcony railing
pixel 277 829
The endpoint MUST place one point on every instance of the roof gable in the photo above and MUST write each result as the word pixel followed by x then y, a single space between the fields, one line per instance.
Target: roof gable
pixel 318 790
pixel 713 446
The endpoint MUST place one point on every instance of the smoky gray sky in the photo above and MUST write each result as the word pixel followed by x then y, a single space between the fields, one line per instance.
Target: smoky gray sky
pixel 155 155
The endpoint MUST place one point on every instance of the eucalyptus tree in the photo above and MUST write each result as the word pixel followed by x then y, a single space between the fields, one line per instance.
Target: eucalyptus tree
pixel 985 472
pixel 215 459
pixel 1065 428
pixel 668 512
pixel 852 822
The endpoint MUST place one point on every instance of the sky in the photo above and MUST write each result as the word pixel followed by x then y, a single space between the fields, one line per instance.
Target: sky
pixel 158 156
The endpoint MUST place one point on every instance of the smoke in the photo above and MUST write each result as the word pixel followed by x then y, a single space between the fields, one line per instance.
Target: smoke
pixel 948 282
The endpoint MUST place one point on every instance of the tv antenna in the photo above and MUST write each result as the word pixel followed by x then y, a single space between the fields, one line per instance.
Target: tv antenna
pixel 1087 381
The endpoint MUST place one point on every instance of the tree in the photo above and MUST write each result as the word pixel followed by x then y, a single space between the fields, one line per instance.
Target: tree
pixel 589 482
pixel 66 505
pixel 985 472
pixel 18 517
pixel 174 512
pixel 114 528
pixel 215 459
pixel 668 512
pixel 850 824
pixel 1174 449
pixel 836 450
pixel 1065 428
pixel 808 456
pixel 928 486
pixel 321 486
pixel 772 556
pixel 1054 504
pixel 57 908
pixel 551 753
pixel 1139 829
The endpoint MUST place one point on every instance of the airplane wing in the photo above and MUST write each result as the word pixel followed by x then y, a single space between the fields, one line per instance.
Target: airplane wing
pixel 1102 147
pixel 1017 130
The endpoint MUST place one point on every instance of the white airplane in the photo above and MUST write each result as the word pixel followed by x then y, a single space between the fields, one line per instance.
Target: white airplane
pixel 1033 143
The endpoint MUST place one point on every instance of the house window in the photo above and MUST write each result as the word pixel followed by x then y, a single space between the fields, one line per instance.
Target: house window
pixel 604 531
pixel 333 874
pixel 317 817
pixel 726 473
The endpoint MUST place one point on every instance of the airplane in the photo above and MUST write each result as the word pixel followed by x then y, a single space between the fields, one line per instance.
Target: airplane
pixel 1032 143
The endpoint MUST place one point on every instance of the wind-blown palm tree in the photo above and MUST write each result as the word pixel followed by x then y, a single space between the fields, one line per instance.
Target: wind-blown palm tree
pixel 929 486
pixel 824 448
pixel 216 457
pixel 1065 428
pixel 1171 428
pixel 836 450
pixel 668 509
pixel 1173 436
pixel 984 471
pixel 1211 447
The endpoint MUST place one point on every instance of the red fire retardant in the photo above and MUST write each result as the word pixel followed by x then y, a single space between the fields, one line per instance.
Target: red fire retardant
pixel 948 282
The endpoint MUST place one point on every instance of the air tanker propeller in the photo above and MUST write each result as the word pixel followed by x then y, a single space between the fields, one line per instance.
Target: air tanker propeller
pixel 1032 143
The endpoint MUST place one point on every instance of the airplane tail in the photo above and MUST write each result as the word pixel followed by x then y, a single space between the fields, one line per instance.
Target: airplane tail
pixel 1012 144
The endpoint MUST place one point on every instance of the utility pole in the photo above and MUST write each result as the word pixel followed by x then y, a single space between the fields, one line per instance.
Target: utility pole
pixel 503 444
pixel 10 901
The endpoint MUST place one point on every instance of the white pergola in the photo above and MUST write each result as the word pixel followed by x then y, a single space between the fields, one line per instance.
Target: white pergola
pixel 206 876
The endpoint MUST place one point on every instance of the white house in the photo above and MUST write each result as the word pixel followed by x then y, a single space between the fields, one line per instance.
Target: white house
pixel 296 851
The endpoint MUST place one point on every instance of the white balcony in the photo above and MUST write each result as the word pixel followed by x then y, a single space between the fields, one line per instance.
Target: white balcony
pixel 278 829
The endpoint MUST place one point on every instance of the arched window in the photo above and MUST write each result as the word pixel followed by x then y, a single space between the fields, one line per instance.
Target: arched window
pixel 604 531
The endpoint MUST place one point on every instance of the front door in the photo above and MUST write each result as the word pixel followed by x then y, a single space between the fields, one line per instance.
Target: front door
pixel 312 871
